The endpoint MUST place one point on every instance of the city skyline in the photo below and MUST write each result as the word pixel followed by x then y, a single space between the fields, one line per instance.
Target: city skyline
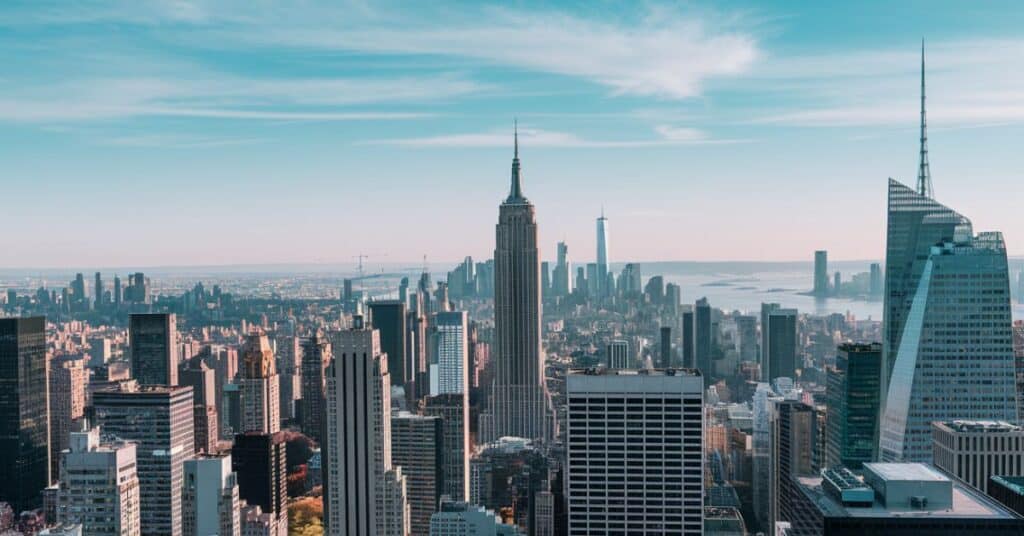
pixel 194 112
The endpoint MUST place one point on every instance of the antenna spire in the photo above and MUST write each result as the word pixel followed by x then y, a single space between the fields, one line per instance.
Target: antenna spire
pixel 516 194
pixel 924 175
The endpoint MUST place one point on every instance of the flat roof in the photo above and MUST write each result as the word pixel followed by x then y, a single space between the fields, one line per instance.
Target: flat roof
pixel 979 426
pixel 603 371
pixel 906 472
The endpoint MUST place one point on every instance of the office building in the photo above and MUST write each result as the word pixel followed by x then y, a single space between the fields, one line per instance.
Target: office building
pixel 202 379
pixel 389 318
pixel 635 453
pixel 702 338
pixel 954 360
pixel 666 347
pixel 453 410
pixel 24 414
pixel 519 400
pixel 159 420
pixel 821 287
pixel 363 494
pixel 793 438
pixel 211 503
pixel 853 399
pixel 260 463
pixel 896 499
pixel 67 404
pixel 1008 491
pixel 562 276
pixel 465 519
pixel 781 349
pixel 618 354
pixel 260 386
pixel 510 476
pixel 876 285
pixel 602 253
pixel 974 451
pixel 687 337
pixel 99 486
pixel 316 356
pixel 449 373
pixel 154 348
pixel 417 446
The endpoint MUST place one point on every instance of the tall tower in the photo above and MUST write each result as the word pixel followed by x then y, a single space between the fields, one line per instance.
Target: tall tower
pixel 154 348
pixel 924 174
pixel 260 386
pixel 602 253
pixel 519 398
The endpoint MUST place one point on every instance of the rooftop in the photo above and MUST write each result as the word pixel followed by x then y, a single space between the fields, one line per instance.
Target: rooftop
pixel 602 371
pixel 915 472
pixel 979 426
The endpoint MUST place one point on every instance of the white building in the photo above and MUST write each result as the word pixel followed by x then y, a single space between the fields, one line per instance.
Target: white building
pixel 210 504
pixel 618 354
pixel 464 519
pixel 449 374
pixel 99 486
pixel 362 495
pixel 630 431
pixel 973 451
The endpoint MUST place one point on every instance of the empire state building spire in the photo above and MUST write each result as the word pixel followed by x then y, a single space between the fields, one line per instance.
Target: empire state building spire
pixel 924 175
pixel 516 193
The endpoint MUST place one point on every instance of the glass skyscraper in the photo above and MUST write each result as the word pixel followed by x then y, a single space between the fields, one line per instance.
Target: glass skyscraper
pixel 950 347
pixel 853 398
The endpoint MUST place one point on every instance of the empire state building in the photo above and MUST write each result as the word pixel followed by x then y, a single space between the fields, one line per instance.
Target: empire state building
pixel 519 400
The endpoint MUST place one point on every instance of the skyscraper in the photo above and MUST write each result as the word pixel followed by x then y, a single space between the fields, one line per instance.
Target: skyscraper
pixel 520 401
pixel 363 494
pixel 666 347
pixel 955 356
pixel 24 412
pixel 211 500
pixel 687 336
pixel 389 318
pixel 612 416
pixel 602 253
pixel 67 404
pixel 853 400
pixel 792 455
pixel 448 342
pixel 159 420
pixel 618 354
pixel 154 348
pixel 99 486
pixel 562 283
pixel 117 293
pixel 417 445
pixel 781 356
pixel 260 461
pixel 453 409
pixel 260 385
pixel 202 379
pixel 316 356
pixel 702 338
pixel 821 273
pixel 97 295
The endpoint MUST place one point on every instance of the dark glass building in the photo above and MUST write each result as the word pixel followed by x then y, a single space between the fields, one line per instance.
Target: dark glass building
pixel 702 338
pixel 154 348
pixel 853 400
pixel 260 463
pixel 388 317
pixel 24 412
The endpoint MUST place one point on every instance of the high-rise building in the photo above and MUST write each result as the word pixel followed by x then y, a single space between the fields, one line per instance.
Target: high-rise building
pixel 211 503
pixel 417 445
pixel 519 401
pixel 974 451
pixel 545 279
pixel 853 399
pixel 876 287
pixel 389 318
pixel 821 287
pixel 465 519
pixel 781 351
pixel 97 295
pixel 618 354
pixel 686 332
pixel 613 415
pixel 202 379
pixel 260 385
pixel 666 347
pixel 24 412
pixel 154 348
pixel 562 284
pixel 602 252
pixel 159 420
pixel 746 333
pixel 792 455
pixel 363 494
pixel 99 486
pixel 702 338
pixel 453 410
pixel 67 404
pixel 954 359
pixel 260 462
pixel 117 292
pixel 316 356
pixel 450 352
pixel 513 475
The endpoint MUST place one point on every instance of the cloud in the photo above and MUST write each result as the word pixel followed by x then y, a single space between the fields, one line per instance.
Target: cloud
pixel 532 137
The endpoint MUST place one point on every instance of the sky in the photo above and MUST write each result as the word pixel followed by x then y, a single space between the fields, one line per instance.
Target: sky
pixel 187 132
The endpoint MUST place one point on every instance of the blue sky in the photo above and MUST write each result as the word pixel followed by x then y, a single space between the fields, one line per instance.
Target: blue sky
pixel 191 132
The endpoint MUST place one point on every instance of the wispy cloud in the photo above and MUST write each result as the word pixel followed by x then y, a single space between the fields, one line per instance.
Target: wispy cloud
pixel 668 136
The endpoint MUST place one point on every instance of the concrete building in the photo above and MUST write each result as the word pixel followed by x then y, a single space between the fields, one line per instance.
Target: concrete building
pixel 153 341
pixel 363 494
pixel 202 379
pixel 453 410
pixel 316 356
pixel 159 420
pixel 974 451
pixel 67 404
pixel 260 386
pixel 449 372
pixel 417 446
pixel 464 519
pixel 99 486
pixel 618 354
pixel 793 436
pixel 25 434
pixel 211 503
pixel 629 431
